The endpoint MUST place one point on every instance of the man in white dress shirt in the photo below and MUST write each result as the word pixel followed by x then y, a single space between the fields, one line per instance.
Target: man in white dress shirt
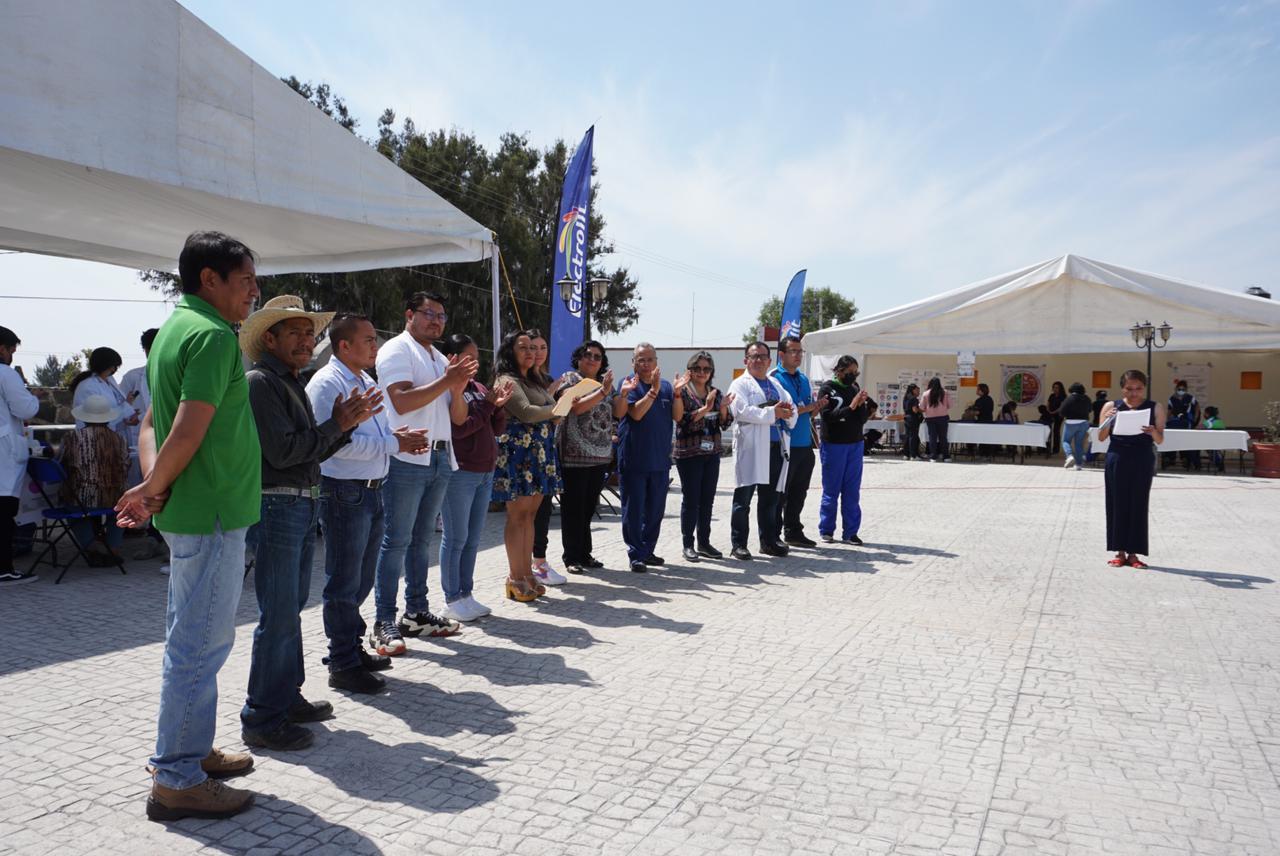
pixel 419 383
pixel 351 507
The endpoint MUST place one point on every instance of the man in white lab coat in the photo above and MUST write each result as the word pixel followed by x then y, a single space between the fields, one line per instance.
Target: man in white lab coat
pixel 757 402
pixel 17 404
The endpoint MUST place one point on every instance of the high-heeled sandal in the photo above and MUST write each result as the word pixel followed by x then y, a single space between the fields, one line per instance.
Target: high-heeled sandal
pixel 521 590
pixel 1137 564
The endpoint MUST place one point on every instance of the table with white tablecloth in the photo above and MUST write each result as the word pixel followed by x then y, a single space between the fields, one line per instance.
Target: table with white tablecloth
pixel 889 427
pixel 1034 434
pixel 1188 439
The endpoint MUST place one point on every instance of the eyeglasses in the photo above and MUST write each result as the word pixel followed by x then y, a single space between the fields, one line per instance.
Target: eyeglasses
pixel 433 316
pixel 757 356
pixel 800 351
pixel 591 355
pixel 700 369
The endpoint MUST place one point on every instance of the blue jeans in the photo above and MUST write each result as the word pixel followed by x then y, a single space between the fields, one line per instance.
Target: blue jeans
pixel 353 527
pixel 205 578
pixel 644 500
pixel 698 478
pixel 1074 440
pixel 413 495
pixel 841 486
pixel 112 535
pixel 466 502
pixel 286 538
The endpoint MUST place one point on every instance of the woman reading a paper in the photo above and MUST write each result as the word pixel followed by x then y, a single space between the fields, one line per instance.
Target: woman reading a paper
pixel 1135 425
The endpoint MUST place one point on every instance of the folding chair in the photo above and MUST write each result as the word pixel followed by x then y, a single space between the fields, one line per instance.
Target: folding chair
pixel 59 518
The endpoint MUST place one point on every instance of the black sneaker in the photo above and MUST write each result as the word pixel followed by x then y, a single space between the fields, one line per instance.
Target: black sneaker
pixel 427 624
pixel 709 551
pixel 851 539
pixel 741 553
pixel 656 561
pixel 575 567
pixel 638 568
pixel 13 577
pixel 286 738
pixel 690 554
pixel 374 662
pixel 827 537
pixel 592 562
pixel 386 640
pixel 357 680
pixel 309 711
pixel 799 541
pixel 777 550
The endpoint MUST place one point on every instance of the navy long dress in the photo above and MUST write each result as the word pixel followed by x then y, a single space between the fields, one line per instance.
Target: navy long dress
pixel 1130 467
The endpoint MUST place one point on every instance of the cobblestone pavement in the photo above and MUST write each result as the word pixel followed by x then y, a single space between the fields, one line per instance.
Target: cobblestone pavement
pixel 974 680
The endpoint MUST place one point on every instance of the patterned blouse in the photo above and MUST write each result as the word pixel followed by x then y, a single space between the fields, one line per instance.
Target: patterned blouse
pixel 700 436
pixel 96 459
pixel 586 440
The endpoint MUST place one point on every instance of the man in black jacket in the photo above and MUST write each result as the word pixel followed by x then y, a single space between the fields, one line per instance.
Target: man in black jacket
pixel 846 410
pixel 280 338
pixel 1075 410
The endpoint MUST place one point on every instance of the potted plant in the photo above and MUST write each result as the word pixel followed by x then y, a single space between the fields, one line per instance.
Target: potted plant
pixel 1266 452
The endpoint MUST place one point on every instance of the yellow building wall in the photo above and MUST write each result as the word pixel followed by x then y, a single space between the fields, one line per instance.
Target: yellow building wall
pixel 1239 408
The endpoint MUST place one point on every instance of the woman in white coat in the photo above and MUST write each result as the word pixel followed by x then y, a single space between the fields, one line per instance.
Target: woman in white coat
pixel 98 380
pixel 757 401
pixel 17 404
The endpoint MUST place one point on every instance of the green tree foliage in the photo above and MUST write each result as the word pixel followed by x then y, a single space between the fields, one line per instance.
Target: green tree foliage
pixel 54 372
pixel 825 304
pixel 515 191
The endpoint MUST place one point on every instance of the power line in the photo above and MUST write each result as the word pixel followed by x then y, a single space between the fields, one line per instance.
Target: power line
pixel 81 299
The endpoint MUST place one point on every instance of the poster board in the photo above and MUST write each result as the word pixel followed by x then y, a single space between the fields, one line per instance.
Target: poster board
pixel 1023 384
pixel 921 378
pixel 1197 377
pixel 889 397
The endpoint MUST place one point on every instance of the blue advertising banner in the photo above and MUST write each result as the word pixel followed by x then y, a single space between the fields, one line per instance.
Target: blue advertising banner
pixel 790 324
pixel 571 257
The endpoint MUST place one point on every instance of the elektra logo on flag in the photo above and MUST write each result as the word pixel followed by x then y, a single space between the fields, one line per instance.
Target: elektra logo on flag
pixel 572 245
pixel 791 328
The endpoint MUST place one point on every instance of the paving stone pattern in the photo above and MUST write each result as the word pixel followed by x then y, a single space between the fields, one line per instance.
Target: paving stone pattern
pixel 975 680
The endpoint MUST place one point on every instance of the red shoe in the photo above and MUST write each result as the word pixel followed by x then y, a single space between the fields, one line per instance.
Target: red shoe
pixel 1117 562
pixel 1137 563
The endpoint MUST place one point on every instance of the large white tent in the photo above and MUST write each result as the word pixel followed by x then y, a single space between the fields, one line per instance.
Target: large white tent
pixel 1067 305
pixel 126 125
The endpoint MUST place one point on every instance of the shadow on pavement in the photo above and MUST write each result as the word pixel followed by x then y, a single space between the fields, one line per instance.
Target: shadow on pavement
pixel 236 834
pixel 1221 580
pixel 411 774
pixel 506 667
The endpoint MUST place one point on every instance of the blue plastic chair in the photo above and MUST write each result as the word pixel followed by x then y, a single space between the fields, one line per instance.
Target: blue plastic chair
pixel 59 518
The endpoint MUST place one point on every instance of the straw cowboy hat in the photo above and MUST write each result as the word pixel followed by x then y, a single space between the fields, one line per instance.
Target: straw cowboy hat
pixel 99 409
pixel 275 310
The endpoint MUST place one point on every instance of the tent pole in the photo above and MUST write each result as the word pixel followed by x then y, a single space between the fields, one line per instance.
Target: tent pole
pixel 494 261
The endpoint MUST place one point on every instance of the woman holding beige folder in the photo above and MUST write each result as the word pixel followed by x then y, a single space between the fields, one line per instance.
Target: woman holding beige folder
pixel 1135 426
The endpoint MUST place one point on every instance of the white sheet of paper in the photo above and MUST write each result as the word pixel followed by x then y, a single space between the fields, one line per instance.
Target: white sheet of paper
pixel 1130 422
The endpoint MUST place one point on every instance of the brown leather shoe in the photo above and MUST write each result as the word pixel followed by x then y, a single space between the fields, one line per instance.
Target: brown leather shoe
pixel 226 765
pixel 210 799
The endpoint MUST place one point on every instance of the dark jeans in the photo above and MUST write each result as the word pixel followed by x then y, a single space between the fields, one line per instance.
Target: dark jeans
pixel 8 511
pixel 938 448
pixel 698 478
pixel 791 500
pixel 286 539
pixel 644 500
pixel 911 438
pixel 353 527
pixel 579 498
pixel 541 526
pixel 766 515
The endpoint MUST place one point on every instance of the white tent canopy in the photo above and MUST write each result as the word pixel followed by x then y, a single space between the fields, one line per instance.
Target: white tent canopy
pixel 124 126
pixel 1067 305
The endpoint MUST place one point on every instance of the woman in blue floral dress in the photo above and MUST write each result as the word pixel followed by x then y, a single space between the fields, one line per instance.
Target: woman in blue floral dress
pixel 526 468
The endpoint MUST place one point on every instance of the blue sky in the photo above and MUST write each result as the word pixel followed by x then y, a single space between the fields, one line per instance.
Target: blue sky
pixel 896 150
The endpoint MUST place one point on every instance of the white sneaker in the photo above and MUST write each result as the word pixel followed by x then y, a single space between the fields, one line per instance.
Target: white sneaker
pixel 459 610
pixel 1079 468
pixel 1069 462
pixel 478 608
pixel 547 575
pixel 164 569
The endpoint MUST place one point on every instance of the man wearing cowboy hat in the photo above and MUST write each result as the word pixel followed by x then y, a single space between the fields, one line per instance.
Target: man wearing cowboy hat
pixel 280 339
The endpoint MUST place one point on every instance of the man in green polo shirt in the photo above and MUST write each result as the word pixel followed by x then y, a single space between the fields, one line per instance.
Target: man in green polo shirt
pixel 201 464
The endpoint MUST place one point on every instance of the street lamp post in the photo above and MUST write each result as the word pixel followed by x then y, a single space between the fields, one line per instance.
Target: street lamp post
pixel 599 290
pixel 1144 336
